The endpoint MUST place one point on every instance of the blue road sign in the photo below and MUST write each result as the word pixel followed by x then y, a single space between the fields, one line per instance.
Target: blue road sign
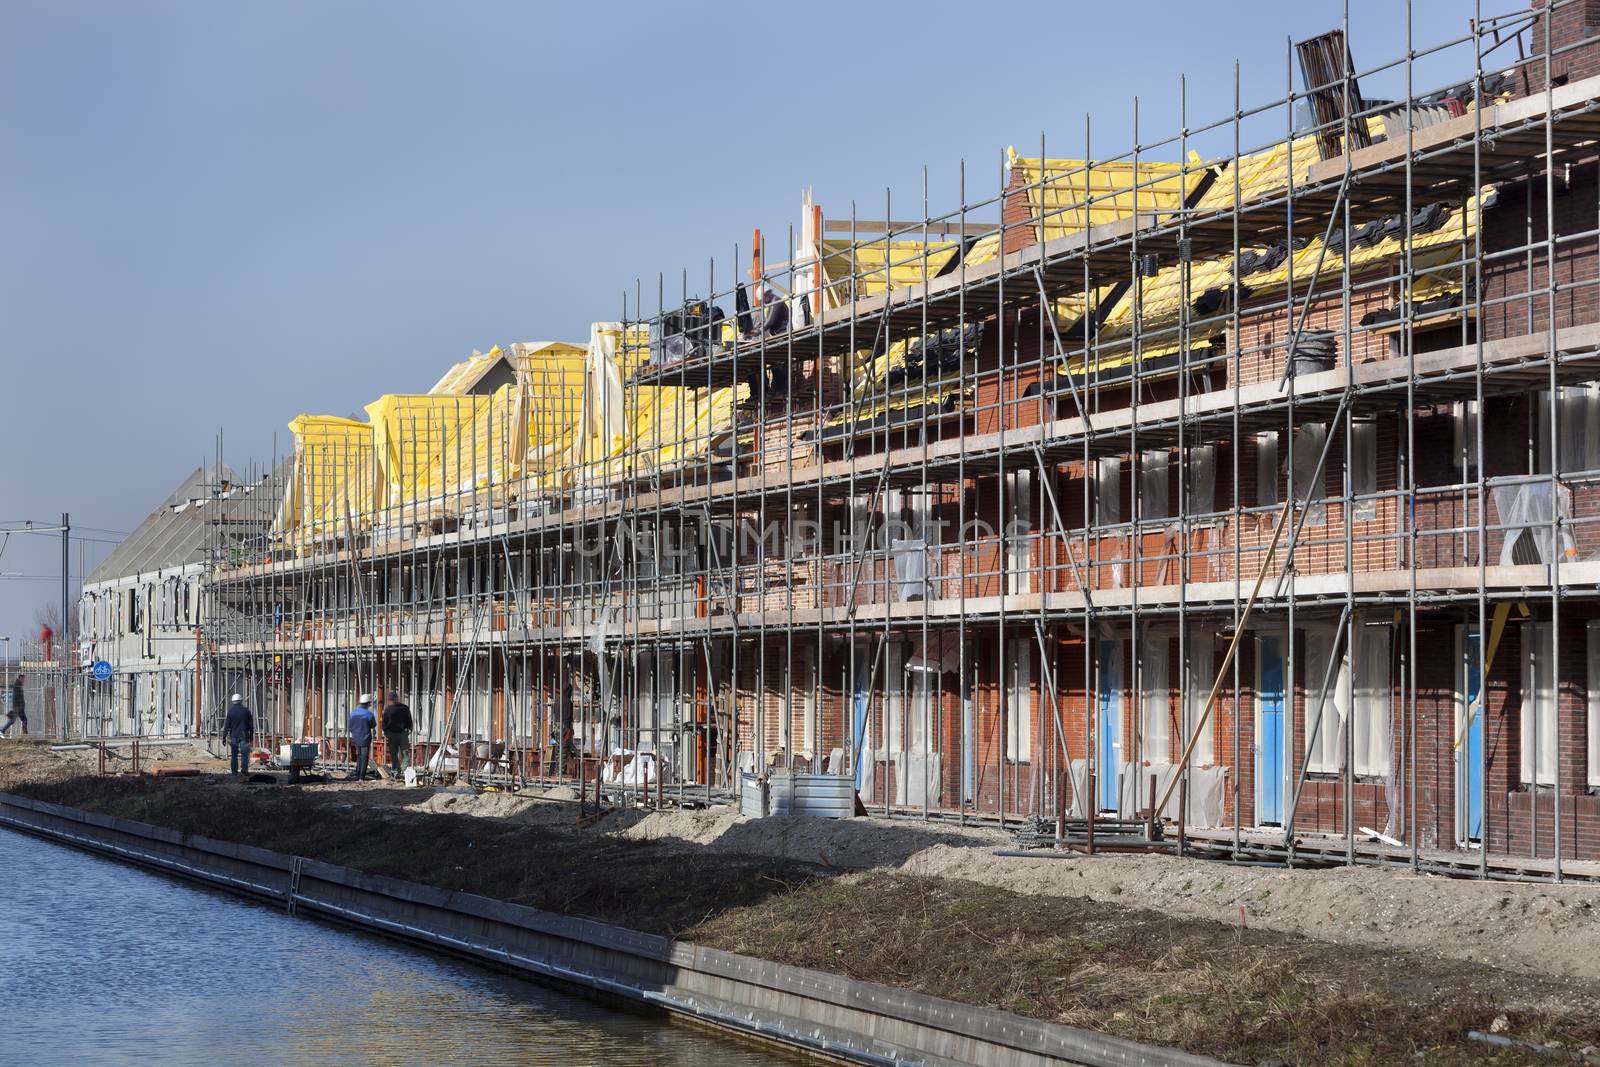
pixel 102 670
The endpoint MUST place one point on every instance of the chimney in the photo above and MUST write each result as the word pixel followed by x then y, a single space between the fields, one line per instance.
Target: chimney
pixel 1570 23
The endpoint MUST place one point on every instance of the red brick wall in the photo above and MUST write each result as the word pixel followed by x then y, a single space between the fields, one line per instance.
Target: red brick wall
pixel 1015 215
pixel 1569 23
pixel 1516 271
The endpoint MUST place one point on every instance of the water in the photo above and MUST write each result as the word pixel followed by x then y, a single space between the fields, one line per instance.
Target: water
pixel 105 963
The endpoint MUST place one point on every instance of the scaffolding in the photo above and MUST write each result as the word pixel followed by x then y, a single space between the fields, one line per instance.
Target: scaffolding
pixel 1142 482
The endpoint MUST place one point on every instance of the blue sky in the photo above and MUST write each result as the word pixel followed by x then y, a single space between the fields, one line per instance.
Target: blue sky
pixel 217 216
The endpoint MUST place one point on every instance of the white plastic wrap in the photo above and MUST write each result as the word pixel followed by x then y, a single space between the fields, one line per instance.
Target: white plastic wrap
pixel 1308 441
pixel 1525 511
pixel 1153 502
pixel 1267 468
pixel 1133 789
pixel 1076 806
pixel 1537 716
pixel 917 779
pixel 1202 479
pixel 638 771
pixel 1206 796
pixel 1364 467
pixel 1371 740
pixel 1108 491
pixel 1578 426
pixel 1155 698
pixel 910 568
pixel 1202 650
pixel 936 654
pixel 1325 750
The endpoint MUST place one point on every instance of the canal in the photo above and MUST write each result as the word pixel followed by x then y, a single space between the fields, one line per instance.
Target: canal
pixel 105 963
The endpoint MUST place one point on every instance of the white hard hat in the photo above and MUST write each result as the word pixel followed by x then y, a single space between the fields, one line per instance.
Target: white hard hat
pixel 237 699
pixel 366 698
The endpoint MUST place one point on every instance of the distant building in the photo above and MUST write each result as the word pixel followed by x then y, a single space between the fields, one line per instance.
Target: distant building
pixel 142 609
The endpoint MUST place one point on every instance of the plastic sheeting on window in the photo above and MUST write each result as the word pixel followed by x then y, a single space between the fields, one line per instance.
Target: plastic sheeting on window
pixel 1369 703
pixel 1078 770
pixel 1592 708
pixel 894 698
pixel 1537 719
pixel 1019 704
pixel 1155 699
pixel 1577 428
pixel 1464 435
pixel 866 774
pixel 1206 795
pixel 935 654
pixel 1202 480
pixel 1308 441
pixel 1132 790
pixel 1325 750
pixel 1526 511
pixel 1019 532
pixel 1153 502
pixel 1108 509
pixel 917 779
pixel 1364 467
pixel 910 568
pixel 1267 468
pixel 1108 491
pixel 1202 652
pixel 1204 803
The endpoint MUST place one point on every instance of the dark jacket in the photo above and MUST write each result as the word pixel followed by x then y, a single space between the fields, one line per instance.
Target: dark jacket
pixel 240 726
pixel 397 719
pixel 18 704
pixel 777 318
pixel 362 723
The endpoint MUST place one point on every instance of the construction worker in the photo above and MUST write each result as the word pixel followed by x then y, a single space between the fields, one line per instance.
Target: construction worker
pixel 397 735
pixel 239 731
pixel 19 707
pixel 363 724
pixel 774 325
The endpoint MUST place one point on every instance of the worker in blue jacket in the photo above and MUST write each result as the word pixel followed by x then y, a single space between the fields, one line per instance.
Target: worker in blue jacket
pixel 362 724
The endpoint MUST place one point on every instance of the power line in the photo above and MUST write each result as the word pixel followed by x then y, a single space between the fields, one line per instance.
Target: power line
pixel 57 533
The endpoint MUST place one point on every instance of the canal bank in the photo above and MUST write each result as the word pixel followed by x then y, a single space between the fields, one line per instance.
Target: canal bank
pixel 1101 944
pixel 805 1010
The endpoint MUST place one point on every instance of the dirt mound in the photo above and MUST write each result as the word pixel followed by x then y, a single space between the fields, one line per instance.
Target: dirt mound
pixel 855 843
pixel 1225 990
pixel 1538 929
pixel 26 759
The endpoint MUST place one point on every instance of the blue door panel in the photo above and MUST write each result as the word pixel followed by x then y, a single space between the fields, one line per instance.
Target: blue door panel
pixel 1471 777
pixel 1110 754
pixel 1270 745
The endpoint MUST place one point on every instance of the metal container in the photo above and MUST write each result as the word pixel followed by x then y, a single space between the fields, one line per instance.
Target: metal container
pixel 303 753
pixel 826 796
pixel 1314 351
pixel 1307 363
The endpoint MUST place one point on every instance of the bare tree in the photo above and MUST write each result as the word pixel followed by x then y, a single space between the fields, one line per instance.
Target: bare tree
pixel 50 615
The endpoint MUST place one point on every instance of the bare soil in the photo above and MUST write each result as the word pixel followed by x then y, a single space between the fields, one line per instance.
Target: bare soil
pixel 1186 953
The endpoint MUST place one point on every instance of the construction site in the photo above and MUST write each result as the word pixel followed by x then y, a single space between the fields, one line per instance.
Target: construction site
pixel 1231 489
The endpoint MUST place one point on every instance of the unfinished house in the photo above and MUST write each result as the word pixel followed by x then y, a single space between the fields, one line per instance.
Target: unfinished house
pixel 142 610
pixel 1247 475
